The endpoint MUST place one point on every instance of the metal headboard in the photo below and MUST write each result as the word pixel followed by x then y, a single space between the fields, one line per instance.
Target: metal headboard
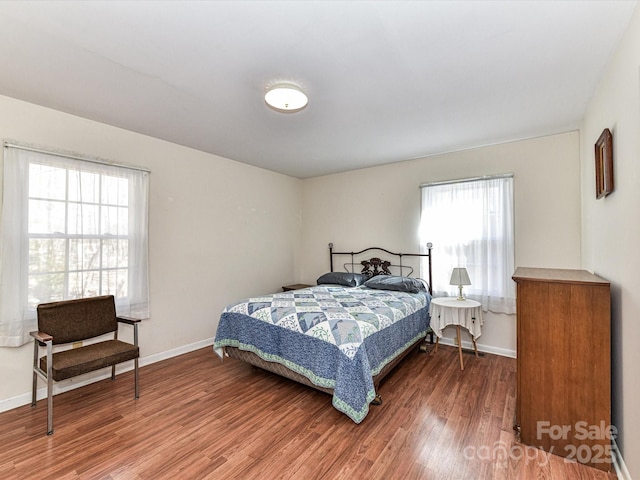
pixel 383 265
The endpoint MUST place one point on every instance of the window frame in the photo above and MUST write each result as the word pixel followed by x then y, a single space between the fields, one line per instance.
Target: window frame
pixel 490 266
pixel 68 238
pixel 17 305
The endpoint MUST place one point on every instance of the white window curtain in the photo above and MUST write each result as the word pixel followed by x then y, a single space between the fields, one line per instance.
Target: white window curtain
pixel 69 228
pixel 470 223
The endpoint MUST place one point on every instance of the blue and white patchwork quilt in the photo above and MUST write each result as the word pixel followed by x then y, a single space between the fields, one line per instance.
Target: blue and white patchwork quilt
pixel 337 337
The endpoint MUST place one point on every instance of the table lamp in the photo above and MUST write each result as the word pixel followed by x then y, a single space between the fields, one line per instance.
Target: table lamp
pixel 459 277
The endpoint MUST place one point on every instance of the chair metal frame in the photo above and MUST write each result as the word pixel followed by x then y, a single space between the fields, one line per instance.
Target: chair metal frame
pixel 46 340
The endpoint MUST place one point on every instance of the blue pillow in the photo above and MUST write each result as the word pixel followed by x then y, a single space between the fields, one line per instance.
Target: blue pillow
pixel 346 279
pixel 397 284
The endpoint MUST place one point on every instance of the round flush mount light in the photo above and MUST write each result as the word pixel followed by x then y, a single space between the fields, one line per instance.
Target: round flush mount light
pixel 286 98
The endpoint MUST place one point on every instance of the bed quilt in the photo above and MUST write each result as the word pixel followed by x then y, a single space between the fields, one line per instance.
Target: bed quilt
pixel 337 337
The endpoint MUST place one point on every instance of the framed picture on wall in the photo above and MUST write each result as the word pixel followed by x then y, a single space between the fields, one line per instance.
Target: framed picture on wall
pixel 604 164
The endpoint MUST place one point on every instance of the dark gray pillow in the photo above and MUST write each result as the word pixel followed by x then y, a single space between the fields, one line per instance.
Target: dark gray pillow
pixel 398 284
pixel 346 279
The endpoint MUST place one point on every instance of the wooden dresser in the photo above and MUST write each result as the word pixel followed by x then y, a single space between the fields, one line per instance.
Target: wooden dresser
pixel 564 363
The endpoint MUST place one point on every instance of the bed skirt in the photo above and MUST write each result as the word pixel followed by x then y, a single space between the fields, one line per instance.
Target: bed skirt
pixel 253 359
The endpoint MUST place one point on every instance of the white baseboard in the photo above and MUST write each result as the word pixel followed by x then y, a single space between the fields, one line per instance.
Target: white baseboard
pixel 175 352
pixel 82 380
pixel 467 345
pixel 618 462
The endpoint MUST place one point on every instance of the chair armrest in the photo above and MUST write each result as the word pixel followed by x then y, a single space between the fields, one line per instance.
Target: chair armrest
pixel 41 336
pixel 128 320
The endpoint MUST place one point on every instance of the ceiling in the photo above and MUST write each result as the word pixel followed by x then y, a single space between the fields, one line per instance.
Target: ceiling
pixel 387 81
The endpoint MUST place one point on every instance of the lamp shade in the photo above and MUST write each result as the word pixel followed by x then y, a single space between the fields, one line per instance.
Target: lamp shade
pixel 459 276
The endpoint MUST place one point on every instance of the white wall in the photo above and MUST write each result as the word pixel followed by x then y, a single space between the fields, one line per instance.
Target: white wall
pixel 381 206
pixel 611 228
pixel 219 230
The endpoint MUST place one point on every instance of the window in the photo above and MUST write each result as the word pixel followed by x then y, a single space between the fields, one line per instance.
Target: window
pixel 470 224
pixel 71 228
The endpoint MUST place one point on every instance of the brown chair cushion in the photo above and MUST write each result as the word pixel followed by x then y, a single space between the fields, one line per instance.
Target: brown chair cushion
pixel 69 363
pixel 75 320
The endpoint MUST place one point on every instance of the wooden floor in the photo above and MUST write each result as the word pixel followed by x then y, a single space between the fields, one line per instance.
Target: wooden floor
pixel 200 418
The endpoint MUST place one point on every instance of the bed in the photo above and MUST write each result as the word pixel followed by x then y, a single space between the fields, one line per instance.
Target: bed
pixel 342 336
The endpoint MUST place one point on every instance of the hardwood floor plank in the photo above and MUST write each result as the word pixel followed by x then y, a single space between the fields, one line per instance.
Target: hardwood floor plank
pixel 199 418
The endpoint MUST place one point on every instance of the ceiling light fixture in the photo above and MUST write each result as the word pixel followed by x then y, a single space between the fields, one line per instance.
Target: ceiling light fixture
pixel 286 98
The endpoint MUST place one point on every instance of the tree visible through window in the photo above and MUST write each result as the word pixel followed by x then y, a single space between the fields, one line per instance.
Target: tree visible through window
pixel 78 234
pixel 70 229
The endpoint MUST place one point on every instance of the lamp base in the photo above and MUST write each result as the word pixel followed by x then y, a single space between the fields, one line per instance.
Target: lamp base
pixel 460 297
